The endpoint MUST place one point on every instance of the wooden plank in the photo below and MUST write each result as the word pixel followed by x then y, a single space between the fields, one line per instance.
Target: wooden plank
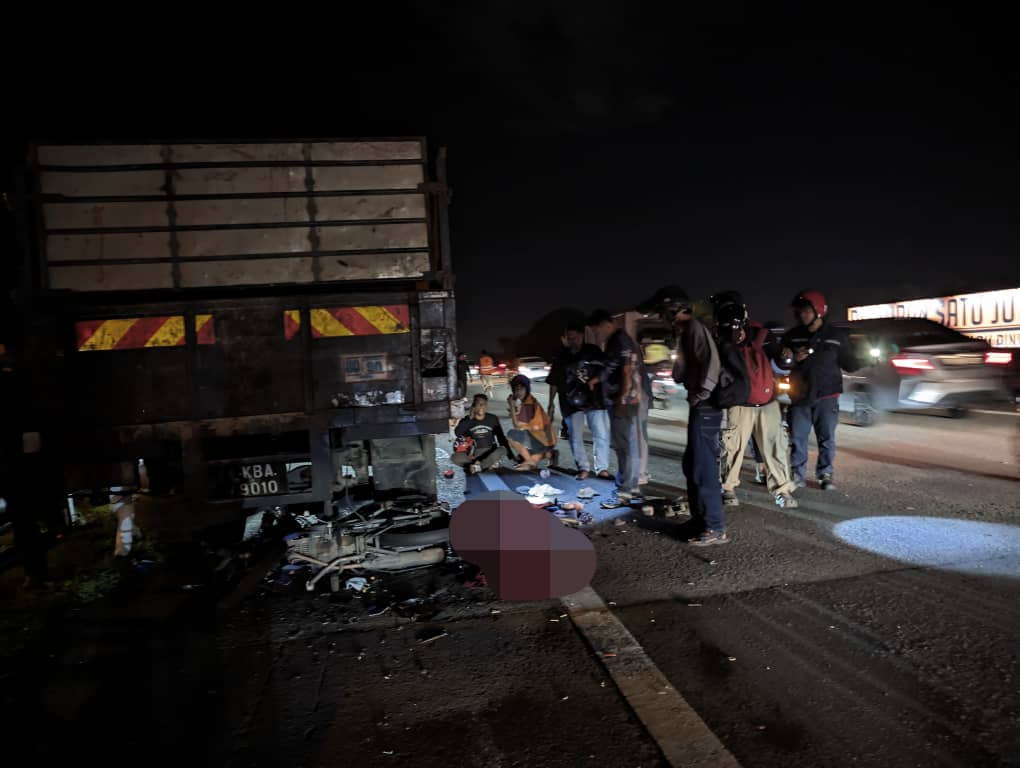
pixel 339 151
pixel 358 177
pixel 103 183
pixel 122 277
pixel 239 181
pixel 239 242
pixel 358 237
pixel 241 211
pixel 87 215
pixel 117 154
pixel 373 266
pixel 237 153
pixel 198 274
pixel 94 247
pixel 407 206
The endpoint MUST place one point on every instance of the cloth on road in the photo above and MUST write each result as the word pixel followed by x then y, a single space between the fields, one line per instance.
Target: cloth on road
pixel 823 415
pixel 701 466
pixel 765 425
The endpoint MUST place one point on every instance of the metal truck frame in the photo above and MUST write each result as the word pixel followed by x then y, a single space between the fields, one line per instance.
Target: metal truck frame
pixel 239 326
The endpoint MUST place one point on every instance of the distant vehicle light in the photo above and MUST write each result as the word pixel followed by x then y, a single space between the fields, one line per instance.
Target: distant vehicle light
pixel 783 386
pixel 672 355
pixel 876 352
pixel 912 365
pixel 663 374
pixel 502 365
pixel 998 358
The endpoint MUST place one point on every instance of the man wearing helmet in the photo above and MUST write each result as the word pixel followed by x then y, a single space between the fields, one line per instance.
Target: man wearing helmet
pixel 746 350
pixel 816 353
pixel 568 378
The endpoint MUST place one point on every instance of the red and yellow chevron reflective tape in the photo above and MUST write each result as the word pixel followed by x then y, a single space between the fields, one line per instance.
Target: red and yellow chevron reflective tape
pixel 141 332
pixel 331 322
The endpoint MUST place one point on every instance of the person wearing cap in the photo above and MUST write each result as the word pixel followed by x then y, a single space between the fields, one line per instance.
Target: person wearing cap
pixel 816 353
pixel 532 436
pixel 698 368
pixel 747 350
pixel 623 391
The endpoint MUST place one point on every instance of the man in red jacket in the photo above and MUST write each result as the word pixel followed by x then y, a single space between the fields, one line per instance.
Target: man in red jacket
pixel 747 349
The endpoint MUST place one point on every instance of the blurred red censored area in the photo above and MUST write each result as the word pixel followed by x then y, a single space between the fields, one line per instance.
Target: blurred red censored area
pixel 525 553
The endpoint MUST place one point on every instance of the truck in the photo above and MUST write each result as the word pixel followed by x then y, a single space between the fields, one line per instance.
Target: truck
pixel 237 327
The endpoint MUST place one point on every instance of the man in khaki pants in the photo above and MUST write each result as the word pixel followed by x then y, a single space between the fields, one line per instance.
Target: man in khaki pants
pixel 746 350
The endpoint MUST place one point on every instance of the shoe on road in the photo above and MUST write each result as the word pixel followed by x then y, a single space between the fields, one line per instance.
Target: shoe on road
pixel 826 484
pixel 729 498
pixel 708 538
pixel 800 482
pixel 786 501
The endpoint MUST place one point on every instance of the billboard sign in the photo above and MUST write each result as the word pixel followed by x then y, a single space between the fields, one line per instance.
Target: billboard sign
pixel 992 315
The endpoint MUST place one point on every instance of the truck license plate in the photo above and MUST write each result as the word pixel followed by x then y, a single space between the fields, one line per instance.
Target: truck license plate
pixel 262 479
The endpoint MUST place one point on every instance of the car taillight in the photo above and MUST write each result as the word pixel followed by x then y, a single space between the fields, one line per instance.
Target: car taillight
pixel 663 374
pixel 998 358
pixel 502 365
pixel 911 364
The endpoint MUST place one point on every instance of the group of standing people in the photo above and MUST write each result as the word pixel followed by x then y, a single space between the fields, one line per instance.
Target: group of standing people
pixel 729 373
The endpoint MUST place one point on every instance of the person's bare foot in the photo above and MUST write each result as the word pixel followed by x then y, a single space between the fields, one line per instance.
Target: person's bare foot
pixel 584 474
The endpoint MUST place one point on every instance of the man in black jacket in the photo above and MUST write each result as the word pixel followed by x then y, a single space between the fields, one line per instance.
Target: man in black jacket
pixel 697 367
pixel 816 353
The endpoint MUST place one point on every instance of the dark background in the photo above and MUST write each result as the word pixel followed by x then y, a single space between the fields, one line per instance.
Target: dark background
pixel 599 150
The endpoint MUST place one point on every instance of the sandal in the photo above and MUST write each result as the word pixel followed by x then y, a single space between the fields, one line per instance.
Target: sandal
pixel 604 475
pixel 584 474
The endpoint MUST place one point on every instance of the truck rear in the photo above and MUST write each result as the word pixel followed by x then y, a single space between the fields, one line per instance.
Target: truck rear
pixel 241 326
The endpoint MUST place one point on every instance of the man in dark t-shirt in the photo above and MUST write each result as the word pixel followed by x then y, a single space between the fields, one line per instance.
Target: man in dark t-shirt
pixel 486 436
pixel 568 378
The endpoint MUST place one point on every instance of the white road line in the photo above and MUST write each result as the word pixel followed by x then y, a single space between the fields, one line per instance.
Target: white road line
pixel 681 734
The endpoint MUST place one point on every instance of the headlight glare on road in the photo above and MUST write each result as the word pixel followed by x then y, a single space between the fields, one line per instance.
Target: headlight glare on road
pixel 964 546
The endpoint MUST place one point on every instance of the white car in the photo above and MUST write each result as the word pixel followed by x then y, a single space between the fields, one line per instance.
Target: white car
pixel 535 368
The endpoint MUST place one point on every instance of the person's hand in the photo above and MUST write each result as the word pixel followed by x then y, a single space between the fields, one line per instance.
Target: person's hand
pixel 591 383
pixel 802 355
pixel 787 353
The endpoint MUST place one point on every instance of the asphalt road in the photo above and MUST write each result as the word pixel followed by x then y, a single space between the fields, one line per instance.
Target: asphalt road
pixel 874 626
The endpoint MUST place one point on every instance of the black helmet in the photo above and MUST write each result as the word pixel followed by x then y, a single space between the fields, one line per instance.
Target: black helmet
pixel 721 299
pixel 669 299
pixel 731 316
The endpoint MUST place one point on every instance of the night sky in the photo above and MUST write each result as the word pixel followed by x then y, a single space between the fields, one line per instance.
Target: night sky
pixel 598 153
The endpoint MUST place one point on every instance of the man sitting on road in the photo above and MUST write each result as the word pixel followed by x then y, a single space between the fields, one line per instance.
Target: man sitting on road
pixel 571 371
pixel 746 351
pixel 816 352
pixel 479 438
pixel 532 437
